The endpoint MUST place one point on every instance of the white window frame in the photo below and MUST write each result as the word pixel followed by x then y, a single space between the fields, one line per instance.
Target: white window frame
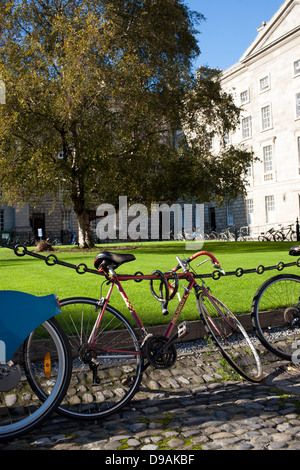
pixel 298 150
pixel 245 96
pixel 266 121
pixel 265 84
pixel 249 211
pixel 270 209
pixel 268 162
pixel 249 171
pixel 296 68
pixel 247 127
pixel 297 105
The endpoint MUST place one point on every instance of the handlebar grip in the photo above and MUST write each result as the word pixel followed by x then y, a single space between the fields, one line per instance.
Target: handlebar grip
pixel 207 253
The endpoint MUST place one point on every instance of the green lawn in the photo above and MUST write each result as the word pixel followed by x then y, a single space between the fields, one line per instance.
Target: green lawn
pixel 31 275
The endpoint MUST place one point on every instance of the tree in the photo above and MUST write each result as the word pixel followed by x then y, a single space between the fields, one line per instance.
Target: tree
pixel 95 89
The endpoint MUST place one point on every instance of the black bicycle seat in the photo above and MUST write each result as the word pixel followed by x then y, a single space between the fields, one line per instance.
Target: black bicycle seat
pixel 295 250
pixel 112 259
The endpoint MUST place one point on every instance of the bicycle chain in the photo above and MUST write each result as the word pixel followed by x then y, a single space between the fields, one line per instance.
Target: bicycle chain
pixel 52 260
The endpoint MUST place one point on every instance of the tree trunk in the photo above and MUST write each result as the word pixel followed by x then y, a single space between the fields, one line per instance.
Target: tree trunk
pixel 85 236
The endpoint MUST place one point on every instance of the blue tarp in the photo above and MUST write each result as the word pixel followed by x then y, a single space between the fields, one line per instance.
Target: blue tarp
pixel 20 314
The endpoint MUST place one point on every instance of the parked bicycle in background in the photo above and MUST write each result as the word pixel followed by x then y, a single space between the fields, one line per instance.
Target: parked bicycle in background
pixel 286 233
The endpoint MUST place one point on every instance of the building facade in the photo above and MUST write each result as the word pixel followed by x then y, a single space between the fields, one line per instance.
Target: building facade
pixel 34 221
pixel 265 84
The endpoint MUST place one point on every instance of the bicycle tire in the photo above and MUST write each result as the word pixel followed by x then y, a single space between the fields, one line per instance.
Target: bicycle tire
pixel 278 236
pixel 262 238
pixel 20 409
pixel 120 376
pixel 230 336
pixel 273 309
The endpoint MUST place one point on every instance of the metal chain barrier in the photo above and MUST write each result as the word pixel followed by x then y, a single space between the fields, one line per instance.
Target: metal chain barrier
pixel 52 260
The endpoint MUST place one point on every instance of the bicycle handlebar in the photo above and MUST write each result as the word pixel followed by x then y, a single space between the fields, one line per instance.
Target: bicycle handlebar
pixel 194 256
pixel 207 253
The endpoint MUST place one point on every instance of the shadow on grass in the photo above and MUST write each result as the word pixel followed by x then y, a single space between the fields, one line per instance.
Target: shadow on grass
pixel 216 247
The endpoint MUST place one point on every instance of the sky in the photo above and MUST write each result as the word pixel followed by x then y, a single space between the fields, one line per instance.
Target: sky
pixel 230 28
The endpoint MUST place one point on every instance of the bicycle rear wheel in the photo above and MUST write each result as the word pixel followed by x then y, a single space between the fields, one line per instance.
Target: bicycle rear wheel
pixel 115 352
pixel 43 359
pixel 276 315
pixel 230 337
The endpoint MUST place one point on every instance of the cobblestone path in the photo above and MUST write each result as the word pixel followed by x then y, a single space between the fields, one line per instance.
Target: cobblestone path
pixel 187 408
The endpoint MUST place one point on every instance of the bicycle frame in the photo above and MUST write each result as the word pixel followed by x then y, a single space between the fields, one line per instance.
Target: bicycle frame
pixel 116 280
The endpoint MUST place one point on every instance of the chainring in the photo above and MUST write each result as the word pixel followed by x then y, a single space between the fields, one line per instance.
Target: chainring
pixel 156 356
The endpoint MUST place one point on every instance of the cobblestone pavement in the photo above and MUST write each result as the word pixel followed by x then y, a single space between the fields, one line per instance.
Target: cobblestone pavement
pixel 187 408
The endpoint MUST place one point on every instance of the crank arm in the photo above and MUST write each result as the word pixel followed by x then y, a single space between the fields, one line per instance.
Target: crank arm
pixel 182 331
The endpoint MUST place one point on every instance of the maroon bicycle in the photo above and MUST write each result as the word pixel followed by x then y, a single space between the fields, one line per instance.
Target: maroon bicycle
pixel 110 355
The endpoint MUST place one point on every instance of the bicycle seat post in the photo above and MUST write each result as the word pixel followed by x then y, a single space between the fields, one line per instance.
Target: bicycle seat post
pixel 111 272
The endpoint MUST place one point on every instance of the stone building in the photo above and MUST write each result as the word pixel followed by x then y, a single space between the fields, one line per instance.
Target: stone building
pixel 44 220
pixel 266 85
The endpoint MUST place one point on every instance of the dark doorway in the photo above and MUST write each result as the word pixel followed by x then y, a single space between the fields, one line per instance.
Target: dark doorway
pixel 38 222
pixel 212 218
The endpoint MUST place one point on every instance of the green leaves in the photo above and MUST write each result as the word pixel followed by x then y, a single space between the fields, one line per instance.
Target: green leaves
pixel 95 93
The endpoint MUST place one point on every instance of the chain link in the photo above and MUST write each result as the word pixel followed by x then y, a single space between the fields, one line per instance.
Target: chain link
pixel 52 260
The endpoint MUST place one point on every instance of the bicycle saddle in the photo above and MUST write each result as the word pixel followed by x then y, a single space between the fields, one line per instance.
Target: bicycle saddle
pixel 295 250
pixel 112 259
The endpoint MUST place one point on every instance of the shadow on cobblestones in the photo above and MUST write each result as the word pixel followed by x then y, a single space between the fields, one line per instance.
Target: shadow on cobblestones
pixel 181 411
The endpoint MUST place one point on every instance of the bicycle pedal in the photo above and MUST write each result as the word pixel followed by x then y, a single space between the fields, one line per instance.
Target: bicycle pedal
pixel 183 329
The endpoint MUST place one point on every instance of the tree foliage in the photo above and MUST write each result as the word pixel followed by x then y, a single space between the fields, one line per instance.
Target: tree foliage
pixel 95 93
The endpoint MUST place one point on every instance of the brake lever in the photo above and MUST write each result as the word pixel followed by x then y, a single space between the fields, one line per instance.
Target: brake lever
pixel 217 266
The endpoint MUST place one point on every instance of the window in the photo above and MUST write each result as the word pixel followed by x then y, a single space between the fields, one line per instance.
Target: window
pixel 270 209
pixel 264 83
pixel 226 139
pixel 297 67
pixel 298 145
pixel 297 105
pixel 246 127
pixel 249 171
pixel 66 219
pixel 250 211
pixel 268 163
pixel 244 96
pixel 229 215
pixel 266 117
pixel 1 220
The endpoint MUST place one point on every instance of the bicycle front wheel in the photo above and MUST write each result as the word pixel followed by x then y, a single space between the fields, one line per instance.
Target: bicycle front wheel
pixel 115 356
pixel 43 362
pixel 230 337
pixel 276 314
